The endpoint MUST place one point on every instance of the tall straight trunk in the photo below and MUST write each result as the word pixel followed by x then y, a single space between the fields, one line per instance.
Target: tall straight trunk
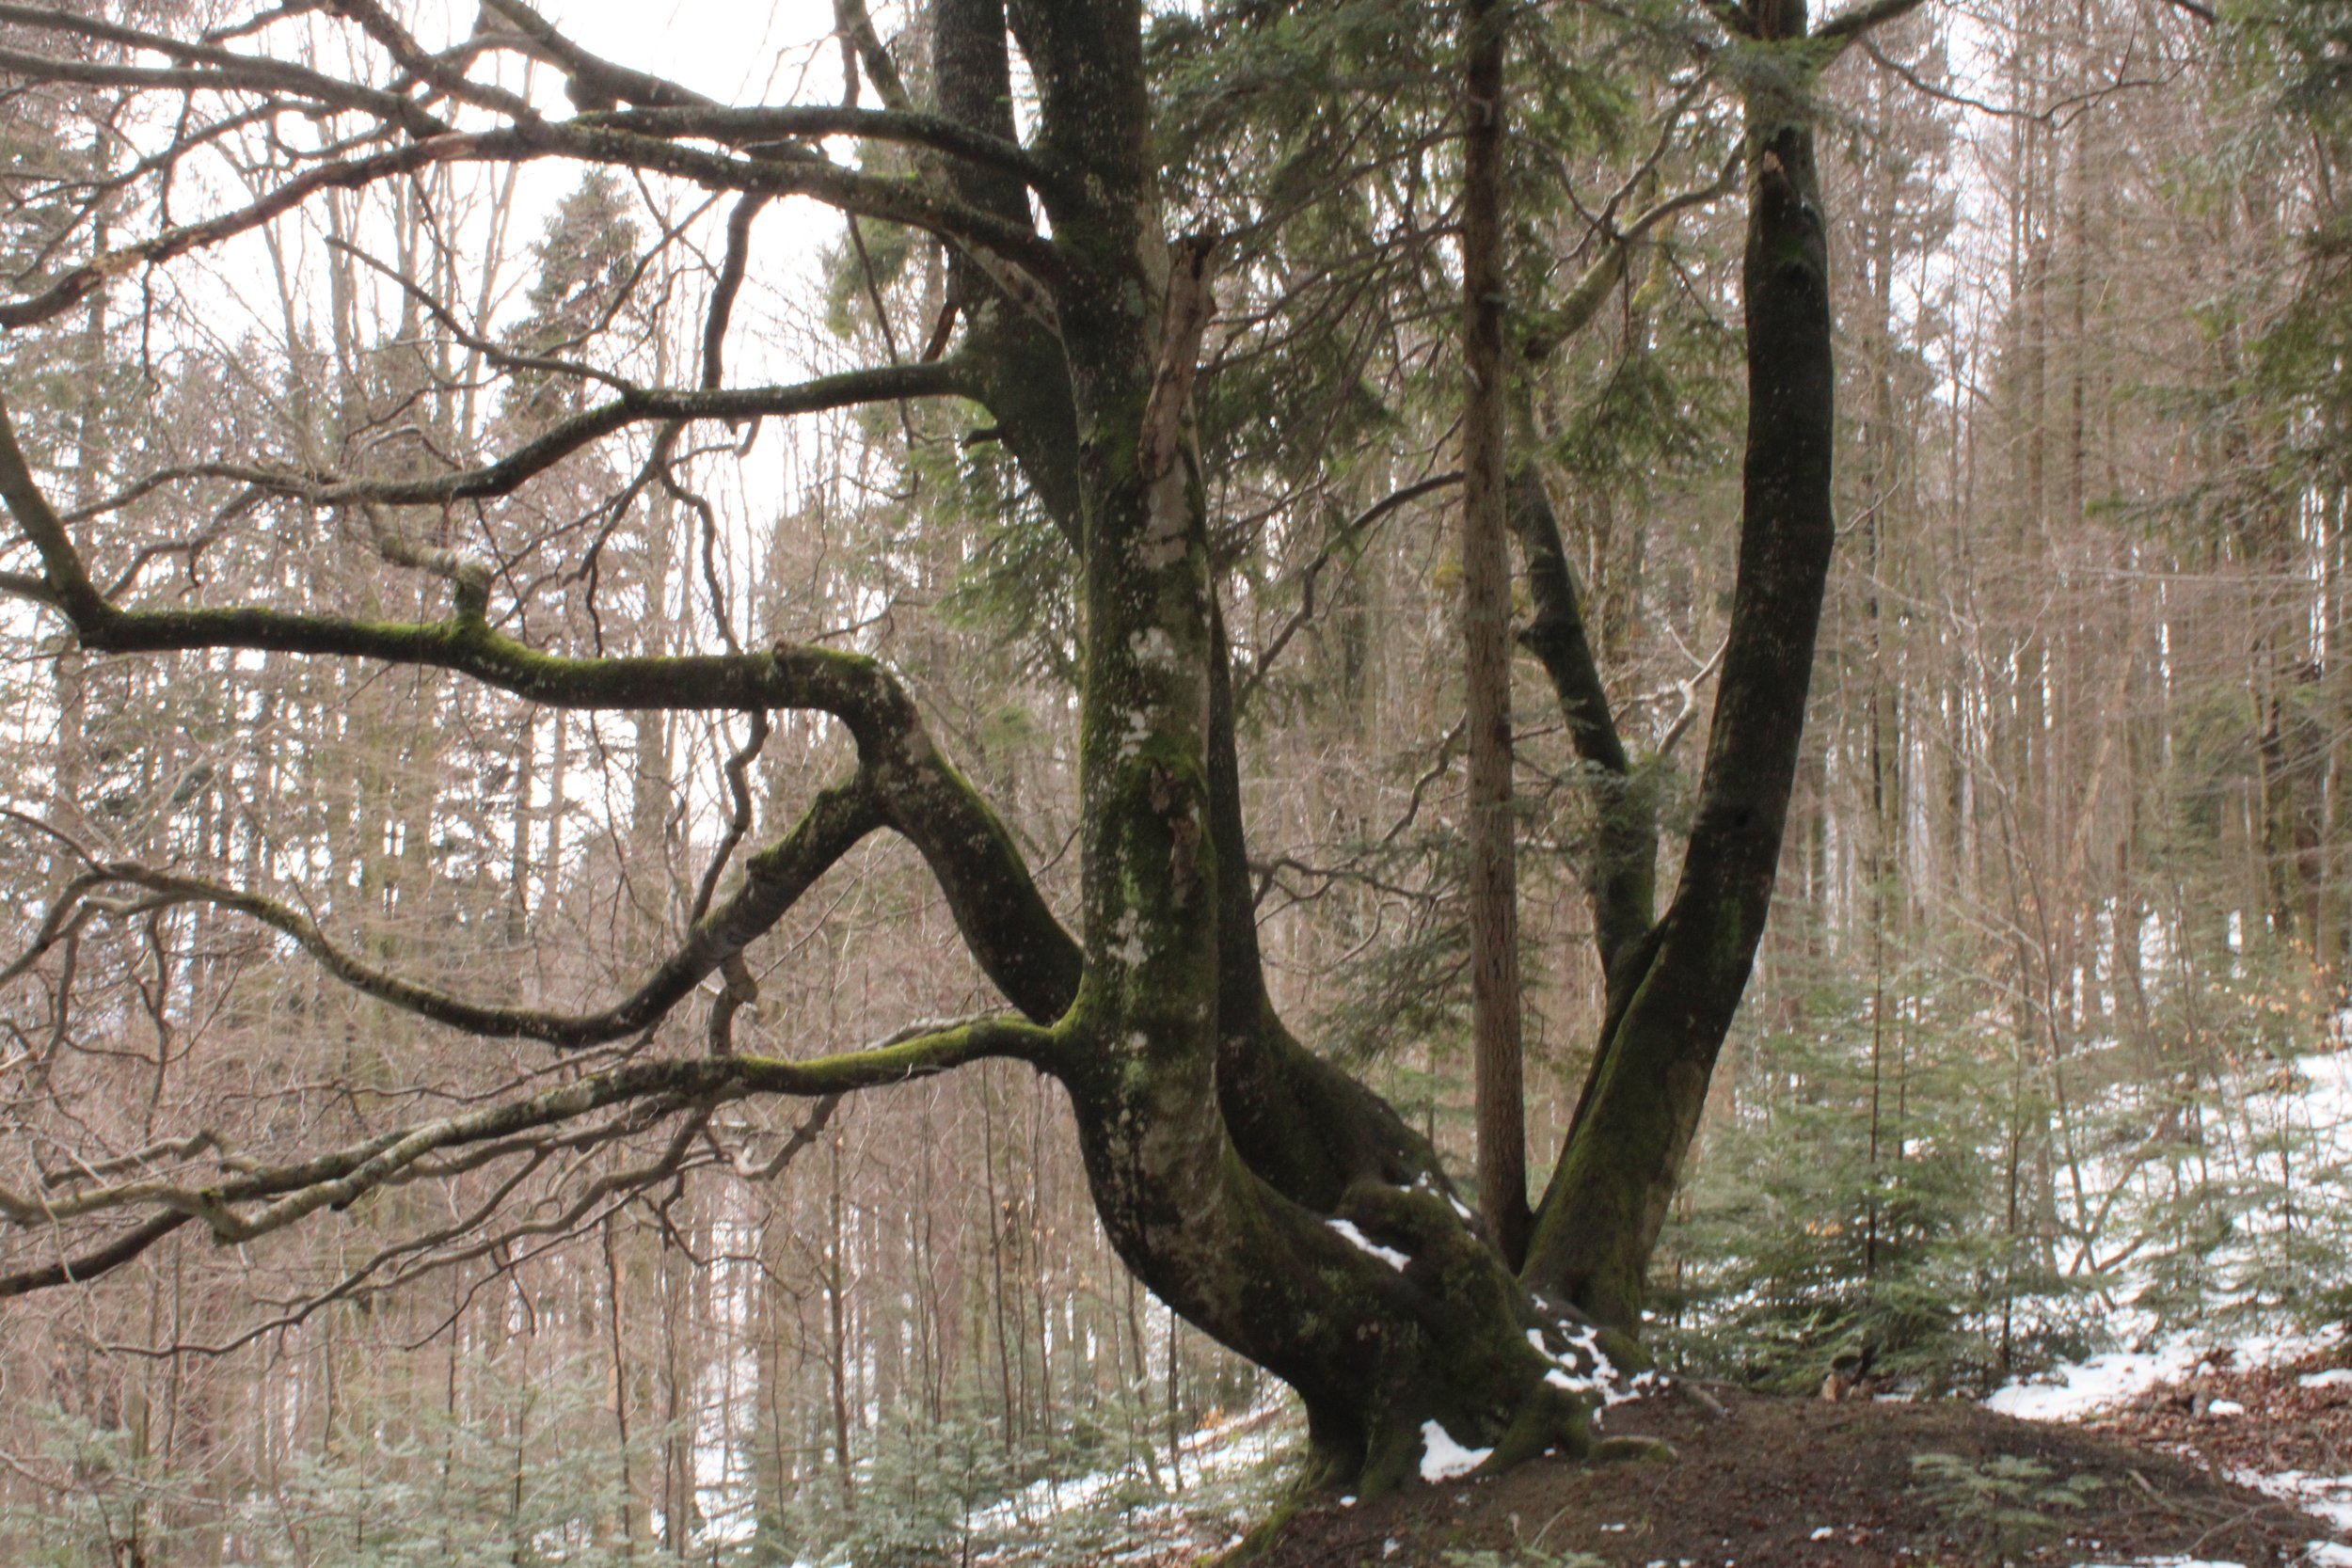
pixel 1495 1021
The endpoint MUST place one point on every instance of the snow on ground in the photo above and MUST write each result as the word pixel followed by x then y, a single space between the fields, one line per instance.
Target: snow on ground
pixel 2115 1378
pixel 2105 1383
pixel 1227 1448
pixel 2330 1498
pixel 2321 1101
pixel 1442 1458
pixel 2099 1383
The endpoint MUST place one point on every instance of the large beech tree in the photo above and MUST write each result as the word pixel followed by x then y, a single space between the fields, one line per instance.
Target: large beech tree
pixel 1258 1190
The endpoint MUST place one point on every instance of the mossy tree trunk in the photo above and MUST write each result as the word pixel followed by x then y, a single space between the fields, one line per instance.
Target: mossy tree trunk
pixel 1673 988
pixel 1190 1099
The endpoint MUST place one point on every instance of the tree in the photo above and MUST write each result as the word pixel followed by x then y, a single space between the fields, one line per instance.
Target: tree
pixel 1262 1193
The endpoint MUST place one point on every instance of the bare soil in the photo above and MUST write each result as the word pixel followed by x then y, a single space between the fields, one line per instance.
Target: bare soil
pixel 1773 1483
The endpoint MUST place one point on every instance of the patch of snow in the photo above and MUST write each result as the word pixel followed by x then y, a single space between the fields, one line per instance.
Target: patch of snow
pixel 2328 1496
pixel 1442 1457
pixel 1138 731
pixel 1152 645
pixel 2166 1562
pixel 1362 1243
pixel 2225 1407
pixel 2098 1384
pixel 2117 1377
pixel 1128 946
pixel 2328 1554
pixel 1823 1533
pixel 2334 1377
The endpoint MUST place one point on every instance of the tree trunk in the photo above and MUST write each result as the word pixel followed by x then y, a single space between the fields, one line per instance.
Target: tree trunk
pixel 1600 1216
pixel 1261 1193
pixel 1493 894
pixel 1377 1348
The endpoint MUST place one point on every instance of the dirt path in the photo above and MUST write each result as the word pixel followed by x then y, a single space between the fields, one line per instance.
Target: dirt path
pixel 1761 1483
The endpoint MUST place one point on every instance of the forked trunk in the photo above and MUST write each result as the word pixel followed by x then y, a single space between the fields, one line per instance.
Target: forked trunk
pixel 1343 1264
pixel 1673 995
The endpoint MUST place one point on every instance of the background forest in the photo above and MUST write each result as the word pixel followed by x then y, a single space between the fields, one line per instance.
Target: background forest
pixel 2062 922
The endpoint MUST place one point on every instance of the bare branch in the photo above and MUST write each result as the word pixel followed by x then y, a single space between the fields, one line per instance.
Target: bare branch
pixel 849 389
pixel 996 906
pixel 594 78
pixel 242 1208
pixel 1344 536
pixel 229 71
pixel 897 201
pixel 753 126
pixel 773 882
pixel 102 1260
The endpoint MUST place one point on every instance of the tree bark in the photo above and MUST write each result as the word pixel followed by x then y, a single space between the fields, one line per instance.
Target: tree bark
pixel 1170 1010
pixel 1600 1216
pixel 1492 829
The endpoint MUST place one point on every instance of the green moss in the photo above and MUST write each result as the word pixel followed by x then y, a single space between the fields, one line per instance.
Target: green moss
pixel 1633 1451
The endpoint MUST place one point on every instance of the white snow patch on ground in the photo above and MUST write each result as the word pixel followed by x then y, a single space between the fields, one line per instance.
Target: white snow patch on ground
pixel 2099 1383
pixel 1362 1243
pixel 2105 1382
pixel 1442 1458
pixel 1225 1448
pixel 2117 1377
pixel 2317 1098
pixel 2328 1496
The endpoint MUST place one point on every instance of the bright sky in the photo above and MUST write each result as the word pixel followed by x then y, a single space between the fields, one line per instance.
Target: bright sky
pixel 735 52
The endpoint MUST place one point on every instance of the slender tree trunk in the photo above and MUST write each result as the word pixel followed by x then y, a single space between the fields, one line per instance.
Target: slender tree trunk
pixel 1492 831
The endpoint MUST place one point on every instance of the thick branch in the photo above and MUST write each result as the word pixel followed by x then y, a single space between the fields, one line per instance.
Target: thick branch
pixel 1609 1195
pixel 747 126
pixel 774 881
pixel 1010 334
pixel 1304 1126
pixel 1623 878
pixel 100 1259
pixel 1848 26
pixel 288 1192
pixel 594 78
pixel 904 782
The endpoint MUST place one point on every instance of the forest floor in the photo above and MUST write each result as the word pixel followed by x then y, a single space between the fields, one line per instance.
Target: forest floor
pixel 1775 1483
